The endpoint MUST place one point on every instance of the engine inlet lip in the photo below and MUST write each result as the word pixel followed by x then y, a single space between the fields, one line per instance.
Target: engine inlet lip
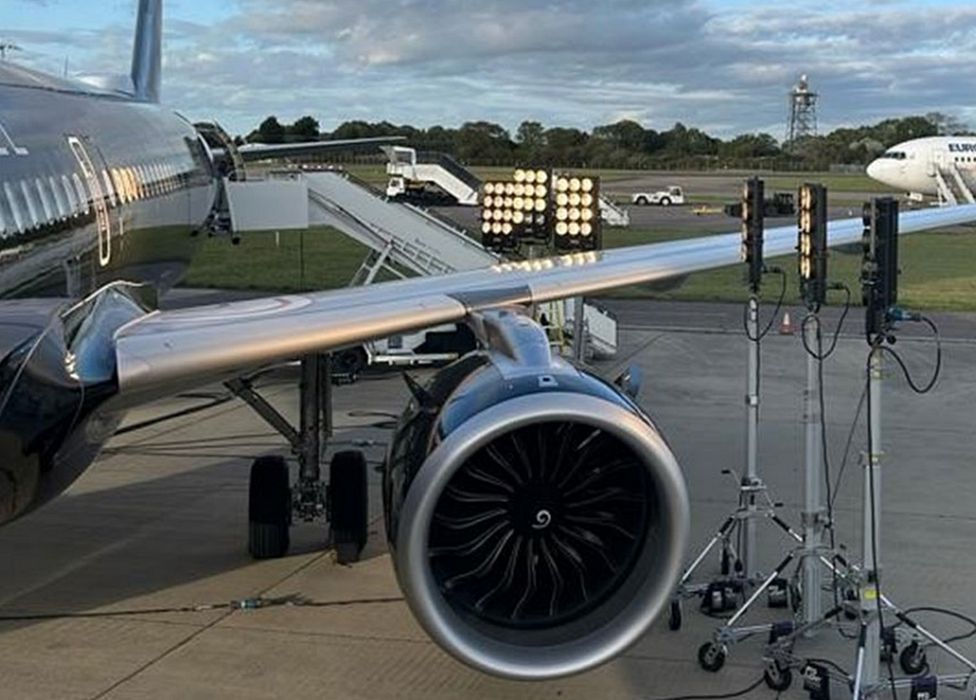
pixel 490 654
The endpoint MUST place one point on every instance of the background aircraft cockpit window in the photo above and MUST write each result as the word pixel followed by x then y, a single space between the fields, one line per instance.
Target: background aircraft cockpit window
pixel 33 209
pixel 81 192
pixel 62 206
pixel 16 209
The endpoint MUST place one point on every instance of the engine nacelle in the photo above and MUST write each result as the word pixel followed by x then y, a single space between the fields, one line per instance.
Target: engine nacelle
pixel 537 518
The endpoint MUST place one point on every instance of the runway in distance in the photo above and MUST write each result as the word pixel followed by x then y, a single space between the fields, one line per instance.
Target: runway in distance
pixel 536 517
pixel 916 166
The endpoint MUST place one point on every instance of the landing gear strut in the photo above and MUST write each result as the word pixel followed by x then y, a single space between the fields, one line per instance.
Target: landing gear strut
pixel 273 504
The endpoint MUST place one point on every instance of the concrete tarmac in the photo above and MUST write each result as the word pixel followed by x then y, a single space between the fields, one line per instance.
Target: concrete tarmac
pixel 159 523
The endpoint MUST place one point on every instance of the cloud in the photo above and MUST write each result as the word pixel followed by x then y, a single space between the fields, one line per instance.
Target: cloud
pixel 725 68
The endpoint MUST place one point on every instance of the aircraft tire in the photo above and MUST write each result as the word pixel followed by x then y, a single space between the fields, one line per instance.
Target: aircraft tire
pixel 269 508
pixel 349 504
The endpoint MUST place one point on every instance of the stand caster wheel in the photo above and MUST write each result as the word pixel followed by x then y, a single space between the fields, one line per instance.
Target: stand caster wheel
pixel 348 504
pixel 711 656
pixel 912 659
pixel 778 677
pixel 674 616
pixel 268 508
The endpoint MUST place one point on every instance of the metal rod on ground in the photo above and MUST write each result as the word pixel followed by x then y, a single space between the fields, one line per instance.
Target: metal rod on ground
pixel 813 491
pixel 747 555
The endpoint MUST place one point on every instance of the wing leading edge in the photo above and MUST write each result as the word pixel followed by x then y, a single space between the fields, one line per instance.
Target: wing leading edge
pixel 166 351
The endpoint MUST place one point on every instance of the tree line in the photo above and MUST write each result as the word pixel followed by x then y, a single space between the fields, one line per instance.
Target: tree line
pixel 627 144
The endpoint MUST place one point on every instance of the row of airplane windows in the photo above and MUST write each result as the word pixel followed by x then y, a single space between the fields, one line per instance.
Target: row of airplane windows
pixel 32 203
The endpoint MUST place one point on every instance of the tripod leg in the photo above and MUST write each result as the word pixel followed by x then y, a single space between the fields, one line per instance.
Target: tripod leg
pixel 767 582
pixel 719 536
pixel 859 669
pixel 932 638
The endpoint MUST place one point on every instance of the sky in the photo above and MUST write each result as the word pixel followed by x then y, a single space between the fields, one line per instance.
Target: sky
pixel 725 66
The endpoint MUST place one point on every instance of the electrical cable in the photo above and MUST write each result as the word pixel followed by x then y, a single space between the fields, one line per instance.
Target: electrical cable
pixel 938 361
pixel 820 355
pixel 950 613
pixel 772 318
pixel 244 604
pixel 850 442
pixel 722 696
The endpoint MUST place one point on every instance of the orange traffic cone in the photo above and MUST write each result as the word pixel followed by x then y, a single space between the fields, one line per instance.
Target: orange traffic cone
pixel 786 327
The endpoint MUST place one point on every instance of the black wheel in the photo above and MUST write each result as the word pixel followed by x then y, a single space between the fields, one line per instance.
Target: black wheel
pixel 642 201
pixel 350 361
pixel 349 504
pixel 778 677
pixel 711 656
pixel 665 201
pixel 674 616
pixel 726 564
pixel 268 508
pixel 912 659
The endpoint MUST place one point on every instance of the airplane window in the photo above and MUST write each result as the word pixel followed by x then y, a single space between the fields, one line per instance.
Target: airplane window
pixel 34 218
pixel 45 201
pixel 140 180
pixel 70 195
pixel 135 190
pixel 131 178
pixel 82 193
pixel 58 198
pixel 160 178
pixel 119 185
pixel 109 189
pixel 15 209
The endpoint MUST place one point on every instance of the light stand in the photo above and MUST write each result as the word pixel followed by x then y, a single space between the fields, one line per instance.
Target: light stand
pixel 812 263
pixel 738 565
pixel 813 554
pixel 879 286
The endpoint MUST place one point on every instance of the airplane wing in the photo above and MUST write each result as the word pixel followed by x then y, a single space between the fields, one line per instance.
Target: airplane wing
pixel 171 349
pixel 260 151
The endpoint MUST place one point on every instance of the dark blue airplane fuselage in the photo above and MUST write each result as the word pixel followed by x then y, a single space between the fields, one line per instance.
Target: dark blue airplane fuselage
pixel 95 189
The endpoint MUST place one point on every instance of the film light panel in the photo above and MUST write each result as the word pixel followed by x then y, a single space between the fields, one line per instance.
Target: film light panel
pixel 576 212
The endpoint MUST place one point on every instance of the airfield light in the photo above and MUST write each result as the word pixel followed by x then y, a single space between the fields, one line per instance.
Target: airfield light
pixel 530 176
pixel 752 231
pixel 879 267
pixel 812 244
pixel 519 175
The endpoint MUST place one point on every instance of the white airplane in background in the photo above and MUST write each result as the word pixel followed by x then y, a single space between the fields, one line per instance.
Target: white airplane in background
pixel 939 166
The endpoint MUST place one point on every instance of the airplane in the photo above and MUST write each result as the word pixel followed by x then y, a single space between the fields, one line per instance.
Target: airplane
pixel 938 166
pixel 536 516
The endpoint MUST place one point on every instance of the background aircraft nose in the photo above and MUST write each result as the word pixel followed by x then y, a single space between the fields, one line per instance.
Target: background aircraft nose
pixel 874 169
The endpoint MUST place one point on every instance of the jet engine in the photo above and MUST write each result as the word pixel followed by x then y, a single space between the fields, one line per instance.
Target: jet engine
pixel 537 517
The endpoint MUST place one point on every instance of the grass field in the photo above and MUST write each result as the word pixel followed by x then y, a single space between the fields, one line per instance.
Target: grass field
pixel 939 273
